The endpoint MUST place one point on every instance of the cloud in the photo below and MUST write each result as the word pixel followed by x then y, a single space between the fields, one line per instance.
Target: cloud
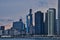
pixel 6 20
pixel 11 10
pixel 16 8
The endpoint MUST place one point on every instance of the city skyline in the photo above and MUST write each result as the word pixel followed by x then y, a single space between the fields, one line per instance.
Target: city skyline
pixel 39 18
pixel 16 9
pixel 28 29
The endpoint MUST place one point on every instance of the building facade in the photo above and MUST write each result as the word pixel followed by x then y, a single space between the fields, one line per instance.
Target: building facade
pixel 2 28
pixel 39 28
pixel 51 21
pixel 58 26
pixel 46 24
pixel 19 26
pixel 29 22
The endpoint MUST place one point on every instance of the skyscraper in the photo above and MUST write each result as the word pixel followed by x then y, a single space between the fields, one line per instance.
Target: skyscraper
pixel 46 24
pixel 58 27
pixel 39 28
pixel 29 22
pixel 51 21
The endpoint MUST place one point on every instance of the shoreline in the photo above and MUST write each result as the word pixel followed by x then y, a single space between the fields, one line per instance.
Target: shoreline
pixel 34 37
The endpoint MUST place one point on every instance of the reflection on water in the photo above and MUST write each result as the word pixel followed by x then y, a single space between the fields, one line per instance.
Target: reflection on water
pixel 30 38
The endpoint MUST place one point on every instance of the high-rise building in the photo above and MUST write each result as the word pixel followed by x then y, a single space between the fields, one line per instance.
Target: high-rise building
pixel 19 26
pixel 51 21
pixel 39 28
pixel 46 24
pixel 29 22
pixel 58 26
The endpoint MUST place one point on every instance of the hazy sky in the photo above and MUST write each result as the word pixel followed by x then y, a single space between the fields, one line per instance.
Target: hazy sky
pixel 12 10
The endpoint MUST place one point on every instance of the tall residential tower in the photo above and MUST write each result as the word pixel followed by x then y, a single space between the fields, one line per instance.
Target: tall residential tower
pixel 58 26
pixel 39 28
pixel 29 22
pixel 51 21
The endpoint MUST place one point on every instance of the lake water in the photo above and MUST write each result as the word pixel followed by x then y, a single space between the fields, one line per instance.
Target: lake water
pixel 29 38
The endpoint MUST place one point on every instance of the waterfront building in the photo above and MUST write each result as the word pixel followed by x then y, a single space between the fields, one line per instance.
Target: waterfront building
pixel 6 32
pixel 46 24
pixel 19 26
pixel 39 27
pixel 58 26
pixel 51 21
pixel 29 22
pixel 33 30
pixel 2 28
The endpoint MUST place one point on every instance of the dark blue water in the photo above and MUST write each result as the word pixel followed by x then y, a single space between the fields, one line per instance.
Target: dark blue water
pixel 29 38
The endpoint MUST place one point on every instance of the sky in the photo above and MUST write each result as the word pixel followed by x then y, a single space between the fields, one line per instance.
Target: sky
pixel 13 10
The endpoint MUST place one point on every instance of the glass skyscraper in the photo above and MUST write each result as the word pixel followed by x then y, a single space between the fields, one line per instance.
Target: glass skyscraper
pixel 29 22
pixel 46 24
pixel 51 21
pixel 58 27
pixel 39 28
